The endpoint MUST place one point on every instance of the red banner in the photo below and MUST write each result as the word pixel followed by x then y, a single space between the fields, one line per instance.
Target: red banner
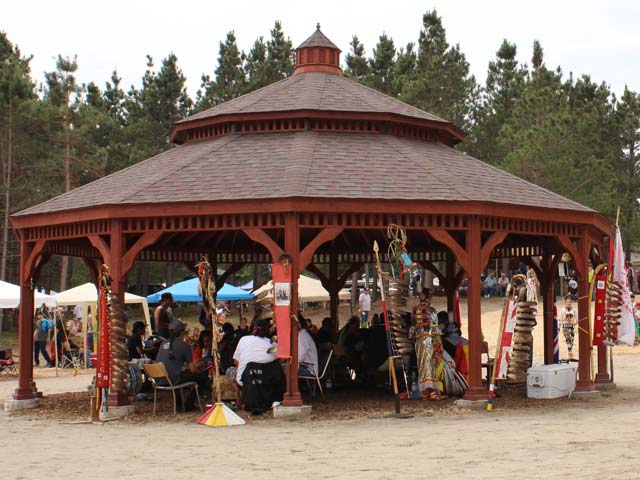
pixel 104 352
pixel 281 276
pixel 598 318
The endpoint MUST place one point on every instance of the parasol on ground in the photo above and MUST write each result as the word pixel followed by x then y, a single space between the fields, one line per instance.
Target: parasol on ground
pixel 220 415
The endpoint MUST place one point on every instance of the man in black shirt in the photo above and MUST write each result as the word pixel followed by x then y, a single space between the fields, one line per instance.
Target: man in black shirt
pixel 134 342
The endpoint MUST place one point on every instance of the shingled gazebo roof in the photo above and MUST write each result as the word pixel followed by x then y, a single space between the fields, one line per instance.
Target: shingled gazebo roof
pixel 313 135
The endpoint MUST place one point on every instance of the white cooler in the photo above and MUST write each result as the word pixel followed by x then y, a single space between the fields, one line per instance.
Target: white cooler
pixel 551 381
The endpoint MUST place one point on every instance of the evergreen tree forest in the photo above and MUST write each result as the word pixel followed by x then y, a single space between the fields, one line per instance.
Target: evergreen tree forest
pixel 569 134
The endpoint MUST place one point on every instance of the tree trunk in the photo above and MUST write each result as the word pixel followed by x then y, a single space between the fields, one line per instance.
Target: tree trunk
pixel 7 167
pixel 67 188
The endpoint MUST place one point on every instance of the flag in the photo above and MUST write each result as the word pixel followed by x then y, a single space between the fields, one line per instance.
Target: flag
pixel 626 329
pixel 556 344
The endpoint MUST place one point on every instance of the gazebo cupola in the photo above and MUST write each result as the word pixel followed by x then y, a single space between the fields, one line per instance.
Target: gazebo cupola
pixel 317 54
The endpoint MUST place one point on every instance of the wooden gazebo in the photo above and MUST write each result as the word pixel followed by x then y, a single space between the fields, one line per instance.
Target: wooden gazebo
pixel 316 166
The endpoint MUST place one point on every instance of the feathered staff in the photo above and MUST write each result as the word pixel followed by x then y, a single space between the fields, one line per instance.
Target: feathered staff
pixel 218 415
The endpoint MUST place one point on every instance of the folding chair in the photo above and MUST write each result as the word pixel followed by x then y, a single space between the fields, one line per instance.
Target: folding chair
pixel 316 378
pixel 157 371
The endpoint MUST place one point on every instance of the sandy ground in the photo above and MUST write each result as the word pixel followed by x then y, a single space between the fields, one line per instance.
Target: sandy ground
pixel 577 439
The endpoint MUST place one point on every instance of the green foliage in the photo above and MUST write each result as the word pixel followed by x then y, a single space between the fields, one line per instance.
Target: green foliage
pixel 357 64
pixel 382 66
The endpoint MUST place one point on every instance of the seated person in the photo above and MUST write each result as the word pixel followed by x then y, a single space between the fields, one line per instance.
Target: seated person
pixel 325 333
pixel 258 371
pixel 134 342
pixel 177 357
pixel 241 331
pixel 226 347
pixel 307 352
pixel 204 345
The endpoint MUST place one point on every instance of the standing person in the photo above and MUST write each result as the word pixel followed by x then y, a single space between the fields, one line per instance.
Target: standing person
pixel 503 283
pixel 41 336
pixel 428 349
pixel 365 307
pixel 163 315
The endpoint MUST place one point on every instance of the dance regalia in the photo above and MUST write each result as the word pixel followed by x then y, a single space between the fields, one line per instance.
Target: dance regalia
pixel 428 349
pixel 568 322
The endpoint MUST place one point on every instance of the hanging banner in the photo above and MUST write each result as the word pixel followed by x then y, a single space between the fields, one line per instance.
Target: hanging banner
pixel 281 276
pixel 502 360
pixel 104 351
pixel 556 339
pixel 598 317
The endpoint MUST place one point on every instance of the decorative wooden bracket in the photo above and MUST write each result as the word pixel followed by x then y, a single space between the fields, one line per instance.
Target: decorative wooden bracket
pixel 532 265
pixel 446 239
pixel 429 265
pixel 44 258
pixel 492 242
pixel 306 255
pixel 32 259
pixel 93 268
pixel 103 247
pixel 350 271
pixel 233 268
pixel 148 238
pixel 324 280
pixel 576 256
pixel 258 235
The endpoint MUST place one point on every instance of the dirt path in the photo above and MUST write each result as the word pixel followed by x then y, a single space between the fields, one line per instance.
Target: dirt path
pixel 578 440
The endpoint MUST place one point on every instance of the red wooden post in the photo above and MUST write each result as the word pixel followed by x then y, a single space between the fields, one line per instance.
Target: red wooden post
pixel 118 283
pixel 475 391
pixel 292 397
pixel 584 383
pixel 548 297
pixel 450 283
pixel 26 387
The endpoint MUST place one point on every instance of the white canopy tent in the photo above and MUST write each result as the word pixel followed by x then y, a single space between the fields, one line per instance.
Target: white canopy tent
pixel 309 290
pixel 10 297
pixel 86 295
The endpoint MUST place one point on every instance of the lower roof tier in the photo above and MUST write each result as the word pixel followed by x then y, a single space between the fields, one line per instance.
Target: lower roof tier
pixel 311 164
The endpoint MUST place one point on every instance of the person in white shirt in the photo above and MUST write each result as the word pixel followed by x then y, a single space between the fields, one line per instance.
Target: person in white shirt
pixel 365 307
pixel 307 353
pixel 256 348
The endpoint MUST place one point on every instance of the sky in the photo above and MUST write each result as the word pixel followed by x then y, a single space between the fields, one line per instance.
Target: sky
pixel 584 37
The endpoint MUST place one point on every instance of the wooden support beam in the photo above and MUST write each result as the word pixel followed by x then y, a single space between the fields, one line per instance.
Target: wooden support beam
pixel 147 239
pixel 492 242
pixel 429 265
pixel 324 279
pixel 258 235
pixel 444 237
pixel 102 246
pixel 350 271
pixel 576 256
pixel 93 269
pixel 231 269
pixel 325 235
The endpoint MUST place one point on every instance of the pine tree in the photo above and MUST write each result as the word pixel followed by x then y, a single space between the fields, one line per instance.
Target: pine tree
pixel 16 105
pixel 382 66
pixel 160 102
pixel 504 87
pixel 255 65
pixel 357 64
pixel 230 81
pixel 405 68
pixel 627 164
pixel 442 83
pixel 279 55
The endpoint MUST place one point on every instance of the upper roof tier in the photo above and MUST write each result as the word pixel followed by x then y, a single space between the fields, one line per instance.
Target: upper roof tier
pixel 316 90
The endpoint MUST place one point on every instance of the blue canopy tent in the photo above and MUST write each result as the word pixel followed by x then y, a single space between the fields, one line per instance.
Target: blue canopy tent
pixel 187 291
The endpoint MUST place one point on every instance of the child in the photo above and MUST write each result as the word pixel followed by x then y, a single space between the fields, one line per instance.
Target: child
pixel 568 321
